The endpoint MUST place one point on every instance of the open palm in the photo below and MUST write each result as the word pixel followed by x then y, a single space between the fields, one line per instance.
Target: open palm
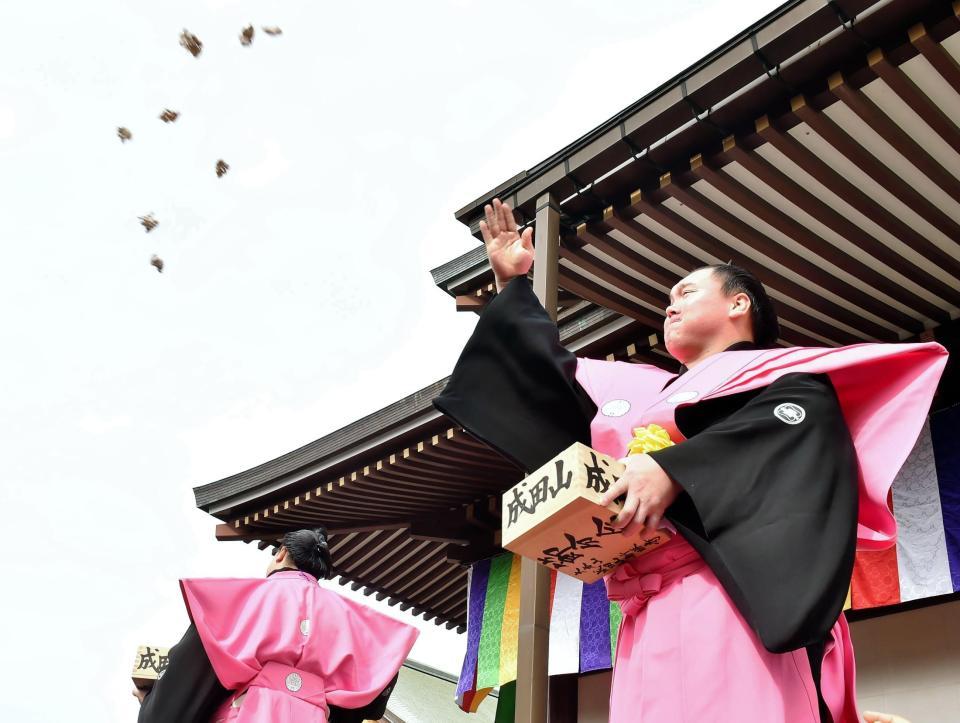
pixel 510 253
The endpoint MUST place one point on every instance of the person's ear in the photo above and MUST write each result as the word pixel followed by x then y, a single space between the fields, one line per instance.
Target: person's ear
pixel 739 305
pixel 281 554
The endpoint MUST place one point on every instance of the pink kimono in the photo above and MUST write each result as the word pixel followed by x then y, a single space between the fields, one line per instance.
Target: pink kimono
pixel 288 647
pixel 685 653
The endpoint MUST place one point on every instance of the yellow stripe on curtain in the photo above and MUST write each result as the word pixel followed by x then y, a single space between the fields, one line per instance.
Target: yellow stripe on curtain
pixel 510 631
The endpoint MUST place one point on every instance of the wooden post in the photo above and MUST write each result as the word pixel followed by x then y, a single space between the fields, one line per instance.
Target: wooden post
pixel 532 680
pixel 546 257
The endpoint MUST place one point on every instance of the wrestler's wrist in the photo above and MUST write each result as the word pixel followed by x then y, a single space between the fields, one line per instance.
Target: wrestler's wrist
pixel 501 284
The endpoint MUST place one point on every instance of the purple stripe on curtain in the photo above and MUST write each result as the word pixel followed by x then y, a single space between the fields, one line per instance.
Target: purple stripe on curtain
pixel 478 594
pixel 945 435
pixel 594 628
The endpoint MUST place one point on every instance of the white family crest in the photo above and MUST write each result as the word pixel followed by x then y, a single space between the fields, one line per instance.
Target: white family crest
pixel 681 397
pixel 615 408
pixel 790 413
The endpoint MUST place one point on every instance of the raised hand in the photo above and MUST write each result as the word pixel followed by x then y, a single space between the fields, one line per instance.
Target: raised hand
pixel 510 253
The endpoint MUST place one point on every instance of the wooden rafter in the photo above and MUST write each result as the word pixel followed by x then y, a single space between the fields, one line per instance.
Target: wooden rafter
pixel 822 212
pixel 940 59
pixel 918 101
pixel 852 194
pixel 816 244
pixel 809 270
pixel 894 134
pixel 721 252
pixel 872 166
pixel 592 291
pixel 623 221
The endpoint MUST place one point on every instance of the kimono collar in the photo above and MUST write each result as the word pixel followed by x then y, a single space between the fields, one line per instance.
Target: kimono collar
pixel 289 572
pixel 736 346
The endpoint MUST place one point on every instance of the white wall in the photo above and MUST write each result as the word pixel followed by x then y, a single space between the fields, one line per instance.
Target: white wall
pixel 909 663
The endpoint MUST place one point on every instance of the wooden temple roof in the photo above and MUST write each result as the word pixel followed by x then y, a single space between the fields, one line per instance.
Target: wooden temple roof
pixel 819 148
pixel 833 173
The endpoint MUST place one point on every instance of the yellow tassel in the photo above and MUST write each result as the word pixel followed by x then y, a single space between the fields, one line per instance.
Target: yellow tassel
pixel 649 439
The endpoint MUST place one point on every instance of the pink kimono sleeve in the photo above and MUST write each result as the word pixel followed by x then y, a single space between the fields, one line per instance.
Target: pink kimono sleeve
pixel 228 615
pixel 361 649
pixel 885 391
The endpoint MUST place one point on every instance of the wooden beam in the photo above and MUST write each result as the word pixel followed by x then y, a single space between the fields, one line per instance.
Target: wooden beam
pixel 386 482
pixel 842 226
pixel 454 599
pixel 345 548
pixel 447 532
pixel 357 505
pixel 919 103
pixel 852 194
pixel 404 473
pixel 470 302
pixel 472 553
pixel 460 446
pixel 336 511
pixel 394 560
pixel 600 240
pixel 791 228
pixel 424 571
pixel 398 575
pixel 773 280
pixel 431 467
pixel 936 55
pixel 592 291
pixel 232 532
pixel 358 551
pixel 439 590
pixel 338 541
pixel 844 144
pixel 584 261
pixel 814 274
pixel 623 221
pixel 897 137
pixel 410 480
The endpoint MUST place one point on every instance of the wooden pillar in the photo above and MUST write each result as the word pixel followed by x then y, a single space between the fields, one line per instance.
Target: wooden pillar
pixel 546 241
pixel 532 680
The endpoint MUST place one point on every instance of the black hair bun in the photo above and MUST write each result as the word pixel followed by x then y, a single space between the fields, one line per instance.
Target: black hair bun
pixel 310 551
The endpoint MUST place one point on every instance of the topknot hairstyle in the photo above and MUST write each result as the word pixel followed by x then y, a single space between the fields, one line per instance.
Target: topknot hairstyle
pixel 310 552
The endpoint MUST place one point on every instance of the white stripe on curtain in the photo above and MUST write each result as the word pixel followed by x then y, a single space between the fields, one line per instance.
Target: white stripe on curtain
pixel 921 545
pixel 565 626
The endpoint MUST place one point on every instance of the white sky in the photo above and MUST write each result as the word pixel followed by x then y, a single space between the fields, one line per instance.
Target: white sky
pixel 296 296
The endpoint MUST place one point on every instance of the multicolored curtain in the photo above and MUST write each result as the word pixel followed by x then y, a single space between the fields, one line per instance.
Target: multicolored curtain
pixel 583 628
pixel 926 502
pixel 583 624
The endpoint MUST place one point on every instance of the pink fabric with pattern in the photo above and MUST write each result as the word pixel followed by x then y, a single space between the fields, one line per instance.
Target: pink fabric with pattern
pixel 289 648
pixel 684 652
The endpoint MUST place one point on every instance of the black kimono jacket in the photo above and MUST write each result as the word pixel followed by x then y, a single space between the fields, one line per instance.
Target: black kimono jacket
pixel 771 507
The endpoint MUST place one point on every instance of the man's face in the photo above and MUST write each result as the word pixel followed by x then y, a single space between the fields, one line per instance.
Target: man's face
pixel 697 313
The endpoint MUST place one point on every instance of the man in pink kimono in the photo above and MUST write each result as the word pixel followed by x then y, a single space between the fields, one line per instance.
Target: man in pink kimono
pixel 280 649
pixel 782 465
